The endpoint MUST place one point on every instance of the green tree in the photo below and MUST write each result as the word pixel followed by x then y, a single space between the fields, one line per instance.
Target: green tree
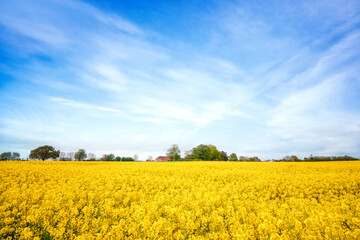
pixel 201 152
pixel 109 157
pixel 173 153
pixel 6 156
pixel 44 152
pixel 214 153
pixel 254 159
pixel 206 152
pixel 223 156
pixel 118 159
pixel 233 157
pixel 80 155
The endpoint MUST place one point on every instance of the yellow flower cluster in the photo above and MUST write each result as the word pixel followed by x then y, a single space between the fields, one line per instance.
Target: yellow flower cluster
pixel 179 200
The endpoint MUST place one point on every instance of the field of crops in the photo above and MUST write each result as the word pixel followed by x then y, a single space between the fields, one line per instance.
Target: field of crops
pixel 179 200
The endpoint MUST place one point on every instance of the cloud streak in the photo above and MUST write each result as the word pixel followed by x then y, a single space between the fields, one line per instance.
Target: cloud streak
pixel 108 84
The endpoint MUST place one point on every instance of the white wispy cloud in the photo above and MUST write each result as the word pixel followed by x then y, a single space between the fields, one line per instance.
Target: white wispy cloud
pixel 80 105
pixel 258 87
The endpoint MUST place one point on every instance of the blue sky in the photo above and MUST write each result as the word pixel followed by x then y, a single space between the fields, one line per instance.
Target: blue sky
pixel 264 78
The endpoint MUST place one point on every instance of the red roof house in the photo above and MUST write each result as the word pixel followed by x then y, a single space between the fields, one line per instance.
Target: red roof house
pixel 162 159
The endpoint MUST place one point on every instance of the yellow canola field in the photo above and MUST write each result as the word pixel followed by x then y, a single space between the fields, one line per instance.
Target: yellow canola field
pixel 179 200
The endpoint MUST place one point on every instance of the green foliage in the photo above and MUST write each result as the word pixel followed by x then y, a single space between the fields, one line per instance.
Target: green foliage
pixel 254 159
pixel 44 152
pixel 80 155
pixel 214 153
pixel 6 156
pixel 109 157
pixel 323 158
pixel 206 152
pixel 173 153
pixel 344 158
pixel 10 156
pixel 201 152
pixel 233 157
pixel 223 156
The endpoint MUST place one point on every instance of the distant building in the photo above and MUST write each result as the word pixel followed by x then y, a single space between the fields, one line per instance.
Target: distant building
pixel 162 159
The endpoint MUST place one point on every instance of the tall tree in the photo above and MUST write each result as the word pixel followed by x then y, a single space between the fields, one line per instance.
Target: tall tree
pixel 6 156
pixel 223 156
pixel 80 155
pixel 214 154
pixel 201 152
pixel 109 157
pixel 173 153
pixel 206 152
pixel 233 157
pixel 44 152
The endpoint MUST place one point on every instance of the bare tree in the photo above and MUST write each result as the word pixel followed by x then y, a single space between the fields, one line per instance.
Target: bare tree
pixel 243 159
pixel 62 156
pixel 91 156
pixel 70 155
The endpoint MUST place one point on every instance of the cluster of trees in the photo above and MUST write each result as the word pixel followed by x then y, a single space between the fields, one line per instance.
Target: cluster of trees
pixel 48 152
pixel 111 157
pixel 206 152
pixel 211 153
pixel 333 158
pixel 10 156
pixel 77 156
pixel 292 158
pixel 312 158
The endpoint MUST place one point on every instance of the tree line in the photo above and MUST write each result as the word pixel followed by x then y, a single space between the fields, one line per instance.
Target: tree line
pixel 205 153
pixel 10 156
pixel 200 153
pixel 48 152
pixel 210 153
